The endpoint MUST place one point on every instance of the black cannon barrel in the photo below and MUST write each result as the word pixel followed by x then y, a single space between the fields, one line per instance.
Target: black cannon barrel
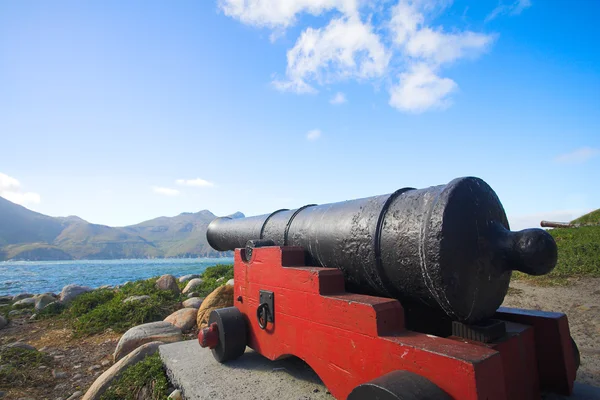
pixel 448 247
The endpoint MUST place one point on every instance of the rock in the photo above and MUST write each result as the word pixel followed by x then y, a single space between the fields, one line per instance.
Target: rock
pixel 42 301
pixel 75 395
pixel 168 282
pixel 25 303
pixel 145 333
pixel 184 319
pixel 221 297
pixel 136 298
pixel 193 294
pixel 6 299
pixel 221 279
pixel 105 287
pixel 3 322
pixel 105 363
pixel 145 392
pixel 94 368
pixel 69 292
pixel 21 296
pixel 186 278
pixel 56 374
pixel 77 377
pixel 192 284
pixel 21 345
pixel 175 395
pixel 230 282
pixel 194 302
pixel 14 313
pixel 103 382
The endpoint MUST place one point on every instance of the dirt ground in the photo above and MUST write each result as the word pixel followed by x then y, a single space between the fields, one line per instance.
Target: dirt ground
pixel 84 359
pixel 581 302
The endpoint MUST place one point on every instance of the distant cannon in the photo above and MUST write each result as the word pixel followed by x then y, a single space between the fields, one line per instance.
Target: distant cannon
pixel 446 247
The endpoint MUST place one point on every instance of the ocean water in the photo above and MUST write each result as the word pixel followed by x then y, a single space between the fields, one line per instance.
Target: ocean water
pixel 51 276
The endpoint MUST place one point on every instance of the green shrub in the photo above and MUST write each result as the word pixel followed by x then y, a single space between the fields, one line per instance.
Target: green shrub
pixel 147 373
pixel 21 366
pixel 87 302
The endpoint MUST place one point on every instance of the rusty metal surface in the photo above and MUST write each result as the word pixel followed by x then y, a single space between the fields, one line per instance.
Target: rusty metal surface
pixel 447 248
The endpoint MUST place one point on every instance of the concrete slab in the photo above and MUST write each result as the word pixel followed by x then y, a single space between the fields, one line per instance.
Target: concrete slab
pixel 199 376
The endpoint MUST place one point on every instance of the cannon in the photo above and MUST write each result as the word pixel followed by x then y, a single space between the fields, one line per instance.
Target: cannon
pixel 446 247
pixel 395 297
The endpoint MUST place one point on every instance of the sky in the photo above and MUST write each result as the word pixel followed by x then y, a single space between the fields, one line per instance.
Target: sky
pixel 122 111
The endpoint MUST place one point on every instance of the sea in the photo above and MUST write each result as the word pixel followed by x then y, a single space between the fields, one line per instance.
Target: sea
pixel 51 276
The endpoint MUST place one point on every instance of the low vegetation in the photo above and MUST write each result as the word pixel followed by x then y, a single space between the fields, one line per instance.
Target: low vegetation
pixel 578 256
pixel 589 218
pixel 19 366
pixel 102 309
pixel 147 376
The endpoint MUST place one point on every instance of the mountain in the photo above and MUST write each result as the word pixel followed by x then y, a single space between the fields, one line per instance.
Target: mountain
pixel 28 235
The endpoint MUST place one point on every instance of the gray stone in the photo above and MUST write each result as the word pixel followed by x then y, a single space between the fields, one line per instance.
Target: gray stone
pixel 105 287
pixel 230 282
pixel 151 332
pixel 103 382
pixel 192 284
pixel 3 322
pixel 25 303
pixel 194 302
pixel 6 299
pixel 168 282
pixel 15 313
pixel 186 278
pixel 42 301
pixel 77 377
pixel 75 395
pixel 221 279
pixel 175 395
pixel 94 368
pixel 105 363
pixel 251 376
pixel 21 345
pixel 193 294
pixel 184 319
pixel 21 296
pixel 56 374
pixel 69 292
pixel 136 299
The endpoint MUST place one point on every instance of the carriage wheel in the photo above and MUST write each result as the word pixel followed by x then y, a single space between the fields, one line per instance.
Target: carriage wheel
pixel 232 333
pixel 399 385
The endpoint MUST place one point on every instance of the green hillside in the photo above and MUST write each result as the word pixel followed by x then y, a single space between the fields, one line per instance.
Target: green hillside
pixel 588 219
pixel 27 235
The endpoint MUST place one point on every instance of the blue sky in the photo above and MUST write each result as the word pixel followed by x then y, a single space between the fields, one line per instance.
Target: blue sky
pixel 122 111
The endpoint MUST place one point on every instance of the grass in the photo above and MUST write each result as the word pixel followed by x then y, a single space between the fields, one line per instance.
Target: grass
pixel 578 256
pixel 148 373
pixel 19 367
pixel 101 309
pixel 589 218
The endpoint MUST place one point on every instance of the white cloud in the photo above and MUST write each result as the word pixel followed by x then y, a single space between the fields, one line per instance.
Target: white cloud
pixel 165 191
pixel 313 134
pixel 518 222
pixel 10 189
pixel 345 48
pixel 338 98
pixel 515 8
pixel 194 182
pixel 577 156
pixel 366 41
pixel 420 89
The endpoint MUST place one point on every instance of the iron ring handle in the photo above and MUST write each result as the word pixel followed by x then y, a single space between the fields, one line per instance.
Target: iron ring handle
pixel 262 314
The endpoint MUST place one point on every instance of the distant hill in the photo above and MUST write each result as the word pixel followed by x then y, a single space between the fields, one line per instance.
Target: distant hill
pixel 588 219
pixel 28 235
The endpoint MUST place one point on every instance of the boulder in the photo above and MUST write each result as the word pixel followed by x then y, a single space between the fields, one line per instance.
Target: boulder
pixel 6 299
pixel 21 296
pixel 221 279
pixel 192 284
pixel 25 303
pixel 104 381
pixel 3 322
pixel 168 282
pixel 186 278
pixel 42 301
pixel 21 345
pixel 230 282
pixel 145 333
pixel 136 299
pixel 184 319
pixel 194 302
pixel 105 287
pixel 221 297
pixel 69 292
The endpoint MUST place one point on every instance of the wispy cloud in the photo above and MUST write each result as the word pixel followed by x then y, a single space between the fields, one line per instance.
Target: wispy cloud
pixel 339 98
pixel 577 156
pixel 194 182
pixel 165 191
pixel 313 134
pixel 10 189
pixel 515 8
pixel 365 42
